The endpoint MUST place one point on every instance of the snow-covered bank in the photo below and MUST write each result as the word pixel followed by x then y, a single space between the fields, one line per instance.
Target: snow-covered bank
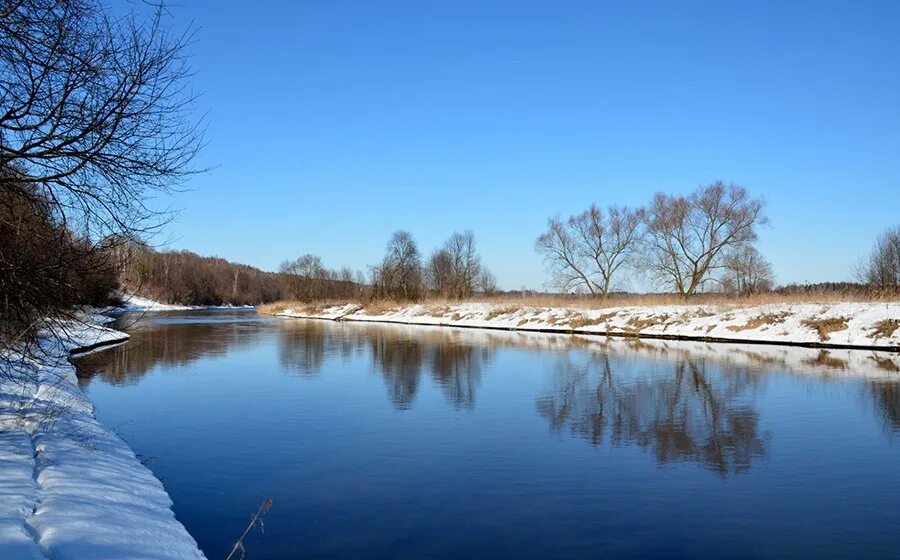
pixel 69 487
pixel 136 303
pixel 835 325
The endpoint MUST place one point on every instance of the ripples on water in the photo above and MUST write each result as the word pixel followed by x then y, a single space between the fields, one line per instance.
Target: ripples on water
pixel 391 441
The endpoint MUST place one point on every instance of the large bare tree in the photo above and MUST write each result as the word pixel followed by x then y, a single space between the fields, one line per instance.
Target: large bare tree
pixel 95 110
pixel 688 237
pixel 586 251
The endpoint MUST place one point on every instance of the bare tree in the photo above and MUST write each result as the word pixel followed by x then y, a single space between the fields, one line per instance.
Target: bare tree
pixel 96 110
pixel 486 283
pixel 689 236
pixel 439 271
pixel 746 272
pixel 306 278
pixel 455 270
pixel 399 276
pixel 95 117
pixel 881 270
pixel 586 251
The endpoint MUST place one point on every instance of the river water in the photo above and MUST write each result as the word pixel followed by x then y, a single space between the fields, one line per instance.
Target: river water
pixel 386 441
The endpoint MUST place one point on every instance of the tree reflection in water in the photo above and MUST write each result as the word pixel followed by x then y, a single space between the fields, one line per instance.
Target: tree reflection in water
pixel 400 356
pixel 456 367
pixel 681 411
pixel 886 396
pixel 158 341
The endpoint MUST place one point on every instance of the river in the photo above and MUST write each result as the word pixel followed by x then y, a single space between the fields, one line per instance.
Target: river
pixel 388 441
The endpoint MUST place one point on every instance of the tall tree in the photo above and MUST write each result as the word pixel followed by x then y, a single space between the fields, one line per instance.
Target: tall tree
pixel 689 236
pixel 399 276
pixel 586 251
pixel 455 270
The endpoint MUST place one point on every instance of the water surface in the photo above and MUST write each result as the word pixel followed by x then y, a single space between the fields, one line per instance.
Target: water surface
pixel 384 441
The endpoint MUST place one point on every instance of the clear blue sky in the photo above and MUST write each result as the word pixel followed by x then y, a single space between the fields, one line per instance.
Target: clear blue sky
pixel 333 124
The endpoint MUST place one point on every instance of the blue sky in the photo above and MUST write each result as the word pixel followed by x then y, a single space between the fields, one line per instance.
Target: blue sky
pixel 332 124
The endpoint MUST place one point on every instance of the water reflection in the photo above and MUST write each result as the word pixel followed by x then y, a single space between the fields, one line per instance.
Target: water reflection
pixel 455 366
pixel 684 410
pixel 886 396
pixel 695 403
pixel 160 340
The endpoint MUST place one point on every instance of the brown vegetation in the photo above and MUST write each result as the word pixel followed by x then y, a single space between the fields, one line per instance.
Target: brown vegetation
pixel 824 327
pixel 756 322
pixel 886 328
pixel 501 310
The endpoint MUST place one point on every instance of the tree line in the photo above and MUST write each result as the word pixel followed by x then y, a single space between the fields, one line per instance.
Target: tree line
pixel 453 270
pixel 187 278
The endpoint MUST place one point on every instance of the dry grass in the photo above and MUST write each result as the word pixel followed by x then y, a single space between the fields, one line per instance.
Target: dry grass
pixel 756 322
pixel 637 324
pixel 582 320
pixel 500 310
pixel 824 327
pixel 518 302
pixel 303 308
pixel 382 306
pixel 886 328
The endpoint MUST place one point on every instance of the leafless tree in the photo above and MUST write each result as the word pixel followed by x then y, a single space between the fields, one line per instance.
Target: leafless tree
pixel 585 252
pixel 881 270
pixel 746 272
pixel 96 110
pixel 399 276
pixel 455 270
pixel 486 282
pixel 439 271
pixel 688 237
pixel 306 278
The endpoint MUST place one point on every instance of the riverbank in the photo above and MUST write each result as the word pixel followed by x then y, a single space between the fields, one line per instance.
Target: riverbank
pixel 132 303
pixel 866 325
pixel 70 488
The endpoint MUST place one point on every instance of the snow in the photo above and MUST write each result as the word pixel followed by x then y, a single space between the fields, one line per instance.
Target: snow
pixel 136 303
pixel 69 487
pixel 851 324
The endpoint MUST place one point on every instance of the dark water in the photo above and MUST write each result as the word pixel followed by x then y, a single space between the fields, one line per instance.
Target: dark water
pixel 397 442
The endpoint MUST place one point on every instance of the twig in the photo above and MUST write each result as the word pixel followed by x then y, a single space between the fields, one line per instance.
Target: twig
pixel 239 545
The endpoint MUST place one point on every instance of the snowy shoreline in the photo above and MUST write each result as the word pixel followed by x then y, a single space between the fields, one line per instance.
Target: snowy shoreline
pixel 870 326
pixel 70 488
pixel 134 303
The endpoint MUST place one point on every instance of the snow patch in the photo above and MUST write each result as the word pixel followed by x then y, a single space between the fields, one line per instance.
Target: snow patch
pixel 69 487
